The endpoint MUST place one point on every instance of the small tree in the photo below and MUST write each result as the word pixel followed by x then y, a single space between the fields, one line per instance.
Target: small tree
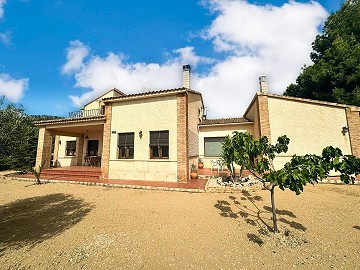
pixel 37 172
pixel 257 156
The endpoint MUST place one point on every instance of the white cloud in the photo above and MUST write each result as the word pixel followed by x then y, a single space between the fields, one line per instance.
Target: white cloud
pixel 275 41
pixel 74 57
pixel 2 4
pixel 5 38
pixel 11 88
pixel 100 74
pixel 258 40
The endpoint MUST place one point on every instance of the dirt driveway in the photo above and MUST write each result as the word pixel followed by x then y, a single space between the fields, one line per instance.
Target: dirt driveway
pixel 66 226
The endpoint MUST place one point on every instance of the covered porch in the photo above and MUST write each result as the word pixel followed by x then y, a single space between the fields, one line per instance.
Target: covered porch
pixel 71 142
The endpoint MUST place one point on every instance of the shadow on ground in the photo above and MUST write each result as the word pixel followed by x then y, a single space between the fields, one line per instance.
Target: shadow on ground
pixel 246 208
pixel 33 220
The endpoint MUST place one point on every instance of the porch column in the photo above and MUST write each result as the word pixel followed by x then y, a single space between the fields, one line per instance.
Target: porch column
pixel 106 142
pixel 56 150
pixel 79 149
pixel 44 148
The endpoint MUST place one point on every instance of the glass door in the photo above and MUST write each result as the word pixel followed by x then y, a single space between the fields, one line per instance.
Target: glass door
pixel 92 148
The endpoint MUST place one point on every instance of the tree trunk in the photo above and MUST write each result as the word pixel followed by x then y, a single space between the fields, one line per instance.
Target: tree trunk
pixel 272 190
pixel 232 172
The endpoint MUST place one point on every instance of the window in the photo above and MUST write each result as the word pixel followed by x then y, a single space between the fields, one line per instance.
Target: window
pixel 213 146
pixel 126 145
pixel 159 144
pixel 70 148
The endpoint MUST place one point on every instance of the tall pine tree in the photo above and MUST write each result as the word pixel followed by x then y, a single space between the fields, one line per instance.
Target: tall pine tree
pixel 335 74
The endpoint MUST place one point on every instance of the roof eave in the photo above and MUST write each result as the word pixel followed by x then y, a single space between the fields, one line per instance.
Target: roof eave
pixel 225 124
pixel 68 120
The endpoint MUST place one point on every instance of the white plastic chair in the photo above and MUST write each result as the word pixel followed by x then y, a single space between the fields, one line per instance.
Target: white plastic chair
pixel 214 164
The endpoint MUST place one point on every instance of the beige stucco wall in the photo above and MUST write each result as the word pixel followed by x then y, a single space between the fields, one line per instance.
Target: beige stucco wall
pixel 310 127
pixel 152 114
pixel 219 131
pixel 194 117
pixel 64 160
pixel 253 115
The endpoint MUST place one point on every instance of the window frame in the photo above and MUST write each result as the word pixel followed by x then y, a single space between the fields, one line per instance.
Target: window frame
pixel 127 146
pixel 217 137
pixel 67 148
pixel 161 144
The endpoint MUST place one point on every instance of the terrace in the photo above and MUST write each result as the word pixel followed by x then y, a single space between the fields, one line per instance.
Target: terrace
pixel 86 113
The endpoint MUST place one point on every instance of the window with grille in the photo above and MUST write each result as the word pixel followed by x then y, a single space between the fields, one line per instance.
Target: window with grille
pixel 159 144
pixel 70 148
pixel 126 145
pixel 213 146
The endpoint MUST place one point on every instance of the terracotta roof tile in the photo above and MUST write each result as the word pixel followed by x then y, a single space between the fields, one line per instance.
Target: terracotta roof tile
pixel 311 101
pixel 68 120
pixel 224 121
pixel 151 93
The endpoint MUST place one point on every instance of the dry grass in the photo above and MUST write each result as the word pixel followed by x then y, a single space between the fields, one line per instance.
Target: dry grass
pixel 66 226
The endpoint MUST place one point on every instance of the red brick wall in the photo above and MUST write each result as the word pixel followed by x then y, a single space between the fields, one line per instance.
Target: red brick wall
pixel 353 119
pixel 106 142
pixel 182 138
pixel 264 120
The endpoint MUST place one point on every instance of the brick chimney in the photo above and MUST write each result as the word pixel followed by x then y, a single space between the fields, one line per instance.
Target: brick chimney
pixel 263 84
pixel 186 76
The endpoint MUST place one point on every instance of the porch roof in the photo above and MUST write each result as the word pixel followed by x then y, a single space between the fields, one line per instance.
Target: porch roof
pixel 69 120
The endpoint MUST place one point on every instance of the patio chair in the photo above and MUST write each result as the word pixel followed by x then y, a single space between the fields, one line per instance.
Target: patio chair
pixel 87 161
pixel 214 164
pixel 220 163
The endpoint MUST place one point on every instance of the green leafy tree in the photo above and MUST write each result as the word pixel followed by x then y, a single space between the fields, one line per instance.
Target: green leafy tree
pixel 335 74
pixel 257 156
pixel 18 137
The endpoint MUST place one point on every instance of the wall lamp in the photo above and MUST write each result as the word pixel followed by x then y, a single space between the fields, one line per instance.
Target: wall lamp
pixel 140 134
pixel 344 130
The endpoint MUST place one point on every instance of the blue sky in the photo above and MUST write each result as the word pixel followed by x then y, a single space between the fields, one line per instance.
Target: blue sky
pixel 57 55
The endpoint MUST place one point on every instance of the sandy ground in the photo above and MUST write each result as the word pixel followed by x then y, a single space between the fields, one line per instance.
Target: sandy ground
pixel 67 226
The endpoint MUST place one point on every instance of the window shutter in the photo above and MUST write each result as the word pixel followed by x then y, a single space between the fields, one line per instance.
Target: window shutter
pixel 164 138
pixel 158 138
pixel 126 139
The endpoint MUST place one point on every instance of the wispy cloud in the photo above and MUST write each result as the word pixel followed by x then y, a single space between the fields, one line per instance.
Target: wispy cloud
pixel 2 4
pixel 5 38
pixel 100 74
pixel 11 88
pixel 257 39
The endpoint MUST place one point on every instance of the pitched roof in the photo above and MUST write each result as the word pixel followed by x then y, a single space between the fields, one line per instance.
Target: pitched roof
pixel 225 121
pixel 103 94
pixel 152 93
pixel 305 100
pixel 311 101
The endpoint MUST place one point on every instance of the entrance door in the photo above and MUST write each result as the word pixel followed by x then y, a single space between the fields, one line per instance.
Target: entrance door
pixel 92 148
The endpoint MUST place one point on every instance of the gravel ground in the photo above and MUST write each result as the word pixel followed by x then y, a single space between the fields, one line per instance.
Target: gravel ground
pixel 67 226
